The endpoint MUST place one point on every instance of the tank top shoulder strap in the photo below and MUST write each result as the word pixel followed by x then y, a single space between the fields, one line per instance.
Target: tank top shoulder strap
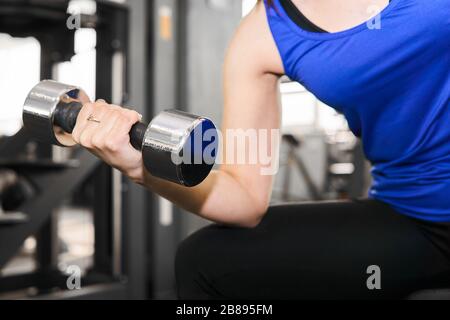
pixel 285 39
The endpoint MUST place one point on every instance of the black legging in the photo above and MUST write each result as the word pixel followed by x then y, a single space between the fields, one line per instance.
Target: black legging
pixel 316 251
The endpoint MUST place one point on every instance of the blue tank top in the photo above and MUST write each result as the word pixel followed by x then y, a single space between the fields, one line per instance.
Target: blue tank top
pixel 393 85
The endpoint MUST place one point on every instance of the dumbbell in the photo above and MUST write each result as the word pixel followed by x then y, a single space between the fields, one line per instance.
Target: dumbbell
pixel 176 146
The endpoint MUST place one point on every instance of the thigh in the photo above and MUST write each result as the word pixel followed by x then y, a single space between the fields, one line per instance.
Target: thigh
pixel 317 251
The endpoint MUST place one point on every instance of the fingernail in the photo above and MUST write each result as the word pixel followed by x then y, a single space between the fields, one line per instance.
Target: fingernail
pixel 101 101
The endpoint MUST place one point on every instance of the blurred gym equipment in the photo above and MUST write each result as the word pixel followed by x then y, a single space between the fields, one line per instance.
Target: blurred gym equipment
pixel 294 160
pixel 13 192
pixel 58 175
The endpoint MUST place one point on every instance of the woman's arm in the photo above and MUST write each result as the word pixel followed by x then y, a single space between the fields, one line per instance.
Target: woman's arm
pixel 236 194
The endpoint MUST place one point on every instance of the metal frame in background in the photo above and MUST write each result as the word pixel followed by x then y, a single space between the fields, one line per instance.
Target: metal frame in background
pixel 122 59
pixel 165 223
pixel 137 202
pixel 118 273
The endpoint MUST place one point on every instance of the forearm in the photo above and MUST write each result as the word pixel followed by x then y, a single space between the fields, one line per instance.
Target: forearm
pixel 220 198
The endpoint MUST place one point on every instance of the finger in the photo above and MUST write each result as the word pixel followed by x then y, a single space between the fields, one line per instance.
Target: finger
pixel 82 121
pixel 106 117
pixel 83 130
pixel 86 136
pixel 99 140
pixel 132 115
pixel 127 112
pixel 119 136
pixel 102 102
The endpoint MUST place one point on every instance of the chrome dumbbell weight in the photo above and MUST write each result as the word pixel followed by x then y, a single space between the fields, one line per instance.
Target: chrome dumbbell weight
pixel 176 146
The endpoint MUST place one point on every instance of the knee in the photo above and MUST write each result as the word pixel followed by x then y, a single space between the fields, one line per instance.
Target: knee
pixel 193 265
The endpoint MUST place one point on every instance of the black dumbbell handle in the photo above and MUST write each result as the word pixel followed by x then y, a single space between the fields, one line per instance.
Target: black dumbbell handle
pixel 66 116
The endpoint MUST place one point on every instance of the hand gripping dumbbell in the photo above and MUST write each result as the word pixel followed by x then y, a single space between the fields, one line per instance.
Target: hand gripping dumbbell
pixel 176 146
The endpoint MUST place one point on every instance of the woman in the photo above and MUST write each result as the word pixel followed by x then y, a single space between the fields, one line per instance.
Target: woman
pixel 389 75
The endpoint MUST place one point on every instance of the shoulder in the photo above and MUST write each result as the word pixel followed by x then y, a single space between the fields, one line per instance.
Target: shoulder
pixel 254 44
